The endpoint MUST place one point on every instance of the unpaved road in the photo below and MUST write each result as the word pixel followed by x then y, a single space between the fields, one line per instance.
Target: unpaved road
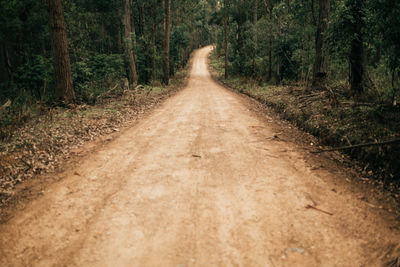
pixel 199 182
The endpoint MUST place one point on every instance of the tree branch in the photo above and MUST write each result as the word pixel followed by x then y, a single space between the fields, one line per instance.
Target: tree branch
pixel 359 145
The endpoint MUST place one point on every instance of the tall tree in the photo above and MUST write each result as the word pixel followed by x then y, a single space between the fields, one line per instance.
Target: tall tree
pixel 130 60
pixel 153 40
pixel 269 6
pixel 255 20
pixel 357 47
pixel 167 33
pixel 321 44
pixel 64 90
pixel 226 19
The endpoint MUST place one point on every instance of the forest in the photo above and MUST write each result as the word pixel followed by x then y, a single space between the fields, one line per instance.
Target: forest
pixel 345 42
pixel 94 44
pixel 200 133
pixel 58 53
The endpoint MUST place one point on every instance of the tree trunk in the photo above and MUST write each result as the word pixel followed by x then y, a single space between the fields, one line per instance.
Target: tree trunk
pixel 270 44
pixel 133 34
pixel 357 48
pixel 153 40
pixel 119 39
pixel 278 67
pixel 167 31
pixel 130 61
pixel 239 37
pixel 321 46
pixel 7 64
pixel 226 38
pixel 255 20
pixel 64 90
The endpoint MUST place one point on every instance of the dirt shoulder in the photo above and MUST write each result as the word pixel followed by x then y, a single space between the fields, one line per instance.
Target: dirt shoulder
pixel 342 123
pixel 40 147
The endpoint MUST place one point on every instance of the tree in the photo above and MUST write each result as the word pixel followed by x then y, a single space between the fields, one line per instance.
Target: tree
pixel 226 19
pixel 130 60
pixel 321 49
pixel 167 33
pixel 153 40
pixel 255 20
pixel 356 56
pixel 64 90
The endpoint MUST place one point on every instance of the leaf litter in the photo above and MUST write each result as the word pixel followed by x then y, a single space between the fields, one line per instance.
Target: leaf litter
pixel 43 143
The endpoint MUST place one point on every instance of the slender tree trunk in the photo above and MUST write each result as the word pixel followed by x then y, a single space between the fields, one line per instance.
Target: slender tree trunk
pixel 167 31
pixel 129 44
pixel 142 19
pixel 226 38
pixel 133 34
pixel 313 13
pixel 357 49
pixel 64 90
pixel 270 44
pixel 7 64
pixel 103 33
pixel 278 67
pixel 255 20
pixel 153 40
pixel 119 39
pixel 321 45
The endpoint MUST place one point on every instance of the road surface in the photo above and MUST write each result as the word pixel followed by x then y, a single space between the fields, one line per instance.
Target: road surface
pixel 201 181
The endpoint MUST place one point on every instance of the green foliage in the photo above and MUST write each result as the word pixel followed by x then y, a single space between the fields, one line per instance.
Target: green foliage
pixel 94 34
pixel 91 77
pixel 35 75
pixel 281 46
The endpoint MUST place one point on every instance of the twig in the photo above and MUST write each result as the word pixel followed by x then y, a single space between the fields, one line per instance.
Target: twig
pixel 107 92
pixel 315 208
pixel 311 95
pixel 6 105
pixel 360 103
pixel 359 145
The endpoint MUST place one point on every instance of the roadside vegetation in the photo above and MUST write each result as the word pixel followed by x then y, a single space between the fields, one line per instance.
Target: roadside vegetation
pixel 71 71
pixel 331 67
pixel 44 142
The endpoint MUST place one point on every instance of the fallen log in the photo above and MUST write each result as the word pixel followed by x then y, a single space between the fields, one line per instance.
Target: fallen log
pixel 359 145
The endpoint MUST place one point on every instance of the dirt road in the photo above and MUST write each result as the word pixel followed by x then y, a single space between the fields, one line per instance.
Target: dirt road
pixel 200 182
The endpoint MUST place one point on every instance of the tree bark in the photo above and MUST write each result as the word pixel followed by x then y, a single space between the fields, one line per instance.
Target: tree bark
pixel 321 45
pixel 270 9
pixel 255 20
pixel 64 90
pixel 153 40
pixel 167 32
pixel 119 39
pixel 357 48
pixel 128 44
pixel 7 64
pixel 226 38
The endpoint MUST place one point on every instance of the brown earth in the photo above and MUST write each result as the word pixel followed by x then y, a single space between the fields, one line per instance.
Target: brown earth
pixel 202 181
